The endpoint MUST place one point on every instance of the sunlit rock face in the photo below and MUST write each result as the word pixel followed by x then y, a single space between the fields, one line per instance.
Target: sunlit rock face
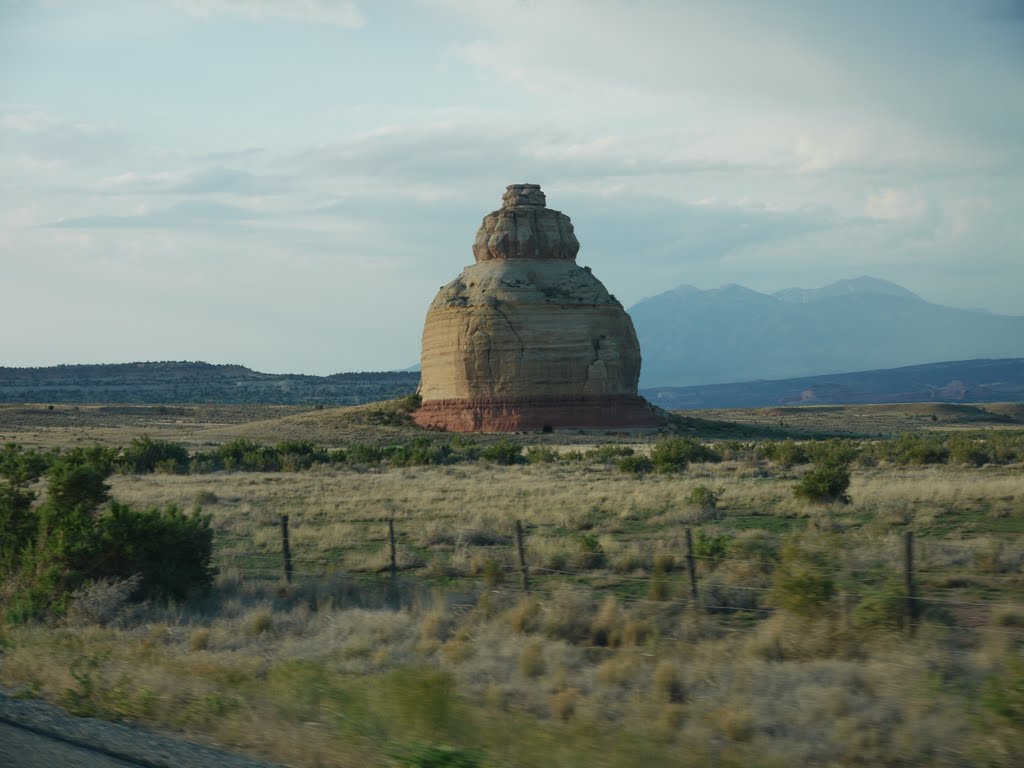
pixel 525 339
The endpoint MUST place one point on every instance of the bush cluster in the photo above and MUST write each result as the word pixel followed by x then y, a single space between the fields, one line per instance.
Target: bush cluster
pixel 53 548
pixel 994 447
pixel 675 454
pixel 910 449
pixel 668 455
pixel 825 484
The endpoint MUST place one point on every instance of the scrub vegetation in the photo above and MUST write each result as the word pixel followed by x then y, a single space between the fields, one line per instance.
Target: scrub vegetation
pixel 800 647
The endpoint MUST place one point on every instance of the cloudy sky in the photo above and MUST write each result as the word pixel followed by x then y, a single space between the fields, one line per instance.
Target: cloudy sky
pixel 285 185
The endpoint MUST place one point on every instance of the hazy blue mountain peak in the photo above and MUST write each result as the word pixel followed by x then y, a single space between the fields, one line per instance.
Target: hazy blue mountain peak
pixel 684 290
pixel 729 334
pixel 735 289
pixel 861 286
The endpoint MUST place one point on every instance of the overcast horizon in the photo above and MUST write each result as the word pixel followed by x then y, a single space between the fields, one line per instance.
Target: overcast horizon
pixel 285 186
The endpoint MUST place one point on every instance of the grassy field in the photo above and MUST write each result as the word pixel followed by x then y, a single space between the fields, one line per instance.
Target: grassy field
pixel 799 648
pixel 43 425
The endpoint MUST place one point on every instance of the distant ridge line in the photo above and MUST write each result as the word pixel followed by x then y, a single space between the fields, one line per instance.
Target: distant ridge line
pixel 985 380
pixel 982 380
pixel 170 382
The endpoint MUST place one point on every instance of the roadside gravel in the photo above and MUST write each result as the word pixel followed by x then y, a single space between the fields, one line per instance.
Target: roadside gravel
pixel 116 741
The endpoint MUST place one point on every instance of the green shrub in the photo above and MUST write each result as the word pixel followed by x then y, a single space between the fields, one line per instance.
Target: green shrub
pixel 145 455
pixel 19 525
pixel 20 467
pixel 169 549
pixel 248 456
pixel 99 456
pixel 504 452
pixel 824 484
pixel 591 553
pixel 705 497
pixel 541 454
pixel 734 450
pixel 1005 447
pixel 73 484
pixel 466 447
pixel 390 417
pixel 833 451
pixel 73 538
pixel 419 452
pixel 362 454
pixel 409 403
pixel 710 547
pixel 966 450
pixel 1003 693
pixel 803 581
pixel 917 449
pixel 608 454
pixel 636 465
pixel 296 455
pixel 759 546
pixel 787 452
pixel 881 606
pixel 674 454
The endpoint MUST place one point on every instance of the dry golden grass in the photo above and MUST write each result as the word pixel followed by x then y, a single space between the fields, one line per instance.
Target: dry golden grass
pixel 868 420
pixel 607 664
pixel 346 686
pixel 63 426
pixel 464 515
pixel 196 425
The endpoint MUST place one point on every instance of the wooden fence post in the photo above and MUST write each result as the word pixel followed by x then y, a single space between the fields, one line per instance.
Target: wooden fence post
pixel 286 549
pixel 691 569
pixel 908 582
pixel 523 573
pixel 391 540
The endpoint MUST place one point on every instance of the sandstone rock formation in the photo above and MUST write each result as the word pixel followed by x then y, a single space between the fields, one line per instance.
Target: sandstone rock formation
pixel 525 339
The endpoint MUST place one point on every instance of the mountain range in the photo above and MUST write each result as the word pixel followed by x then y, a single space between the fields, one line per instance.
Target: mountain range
pixel 964 381
pixel 690 336
pixel 196 382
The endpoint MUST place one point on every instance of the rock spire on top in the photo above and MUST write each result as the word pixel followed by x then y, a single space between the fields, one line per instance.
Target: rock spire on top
pixel 523 228
pixel 523 194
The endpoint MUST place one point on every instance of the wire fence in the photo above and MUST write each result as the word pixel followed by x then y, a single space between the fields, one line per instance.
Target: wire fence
pixel 686 577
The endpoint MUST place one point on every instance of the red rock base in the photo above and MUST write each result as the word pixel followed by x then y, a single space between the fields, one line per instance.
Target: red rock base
pixel 540 414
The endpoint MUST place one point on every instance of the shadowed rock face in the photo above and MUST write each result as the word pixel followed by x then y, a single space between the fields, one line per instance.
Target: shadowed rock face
pixel 527 340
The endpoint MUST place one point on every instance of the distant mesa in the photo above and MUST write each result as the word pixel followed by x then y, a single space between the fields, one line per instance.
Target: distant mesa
pixel 525 339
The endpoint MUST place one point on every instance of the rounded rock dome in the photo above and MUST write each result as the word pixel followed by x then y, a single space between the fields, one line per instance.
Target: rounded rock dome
pixel 525 339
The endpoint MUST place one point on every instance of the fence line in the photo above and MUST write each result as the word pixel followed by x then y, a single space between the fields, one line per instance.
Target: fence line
pixel 281 563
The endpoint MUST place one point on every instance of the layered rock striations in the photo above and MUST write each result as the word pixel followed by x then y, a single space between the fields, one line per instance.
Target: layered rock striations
pixel 525 339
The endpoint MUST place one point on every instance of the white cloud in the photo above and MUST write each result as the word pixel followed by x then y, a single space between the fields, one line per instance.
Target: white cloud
pixel 342 13
pixel 893 204
pixel 49 141
pixel 192 181
pixel 855 88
